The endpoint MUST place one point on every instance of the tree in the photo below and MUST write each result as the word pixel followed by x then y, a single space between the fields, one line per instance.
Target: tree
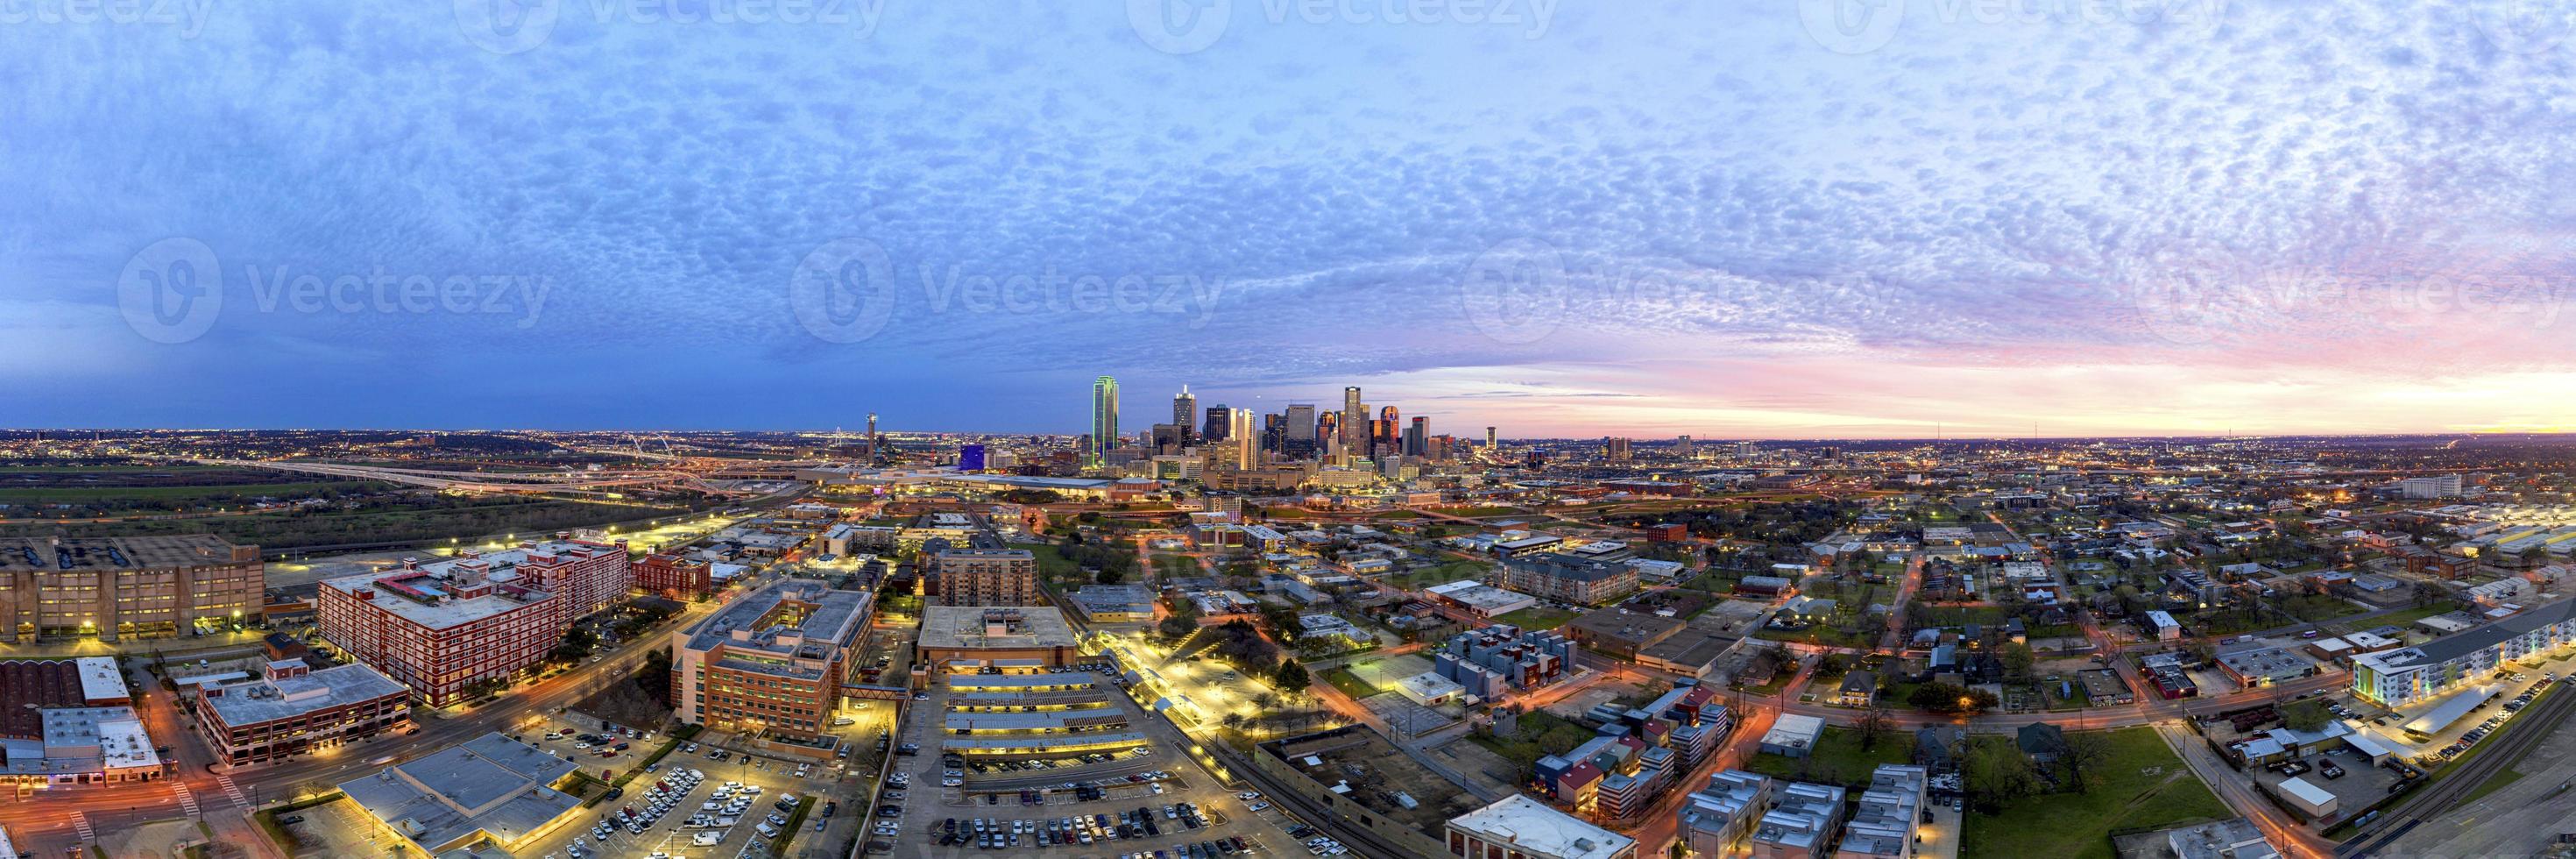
pixel 2307 715
pixel 1233 721
pixel 1290 677
pixel 1998 774
pixel 2017 659
pixel 1951 698
pixel 1108 576
pixel 2084 753
pixel 1874 724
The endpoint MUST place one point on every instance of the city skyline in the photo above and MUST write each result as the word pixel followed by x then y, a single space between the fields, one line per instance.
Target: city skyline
pixel 1979 224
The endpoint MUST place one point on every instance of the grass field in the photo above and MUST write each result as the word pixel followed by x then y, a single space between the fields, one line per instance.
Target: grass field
pixel 1838 758
pixel 1051 562
pixel 2145 785
pixel 2401 617
pixel 1535 618
pixel 72 495
pixel 1349 683
pixel 1442 574
pixel 424 524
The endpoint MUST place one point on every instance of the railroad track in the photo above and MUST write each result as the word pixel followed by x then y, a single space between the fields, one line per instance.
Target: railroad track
pixel 2538 722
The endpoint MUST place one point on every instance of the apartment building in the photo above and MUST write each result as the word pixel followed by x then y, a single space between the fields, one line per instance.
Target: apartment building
pixel 120 588
pixel 981 573
pixel 1800 824
pixel 291 709
pixel 440 632
pixel 1715 821
pixel 1569 578
pixel 1882 827
pixel 2395 678
pixel 773 660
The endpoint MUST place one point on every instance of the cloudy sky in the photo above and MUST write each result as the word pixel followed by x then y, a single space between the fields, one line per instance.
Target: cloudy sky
pixel 1728 219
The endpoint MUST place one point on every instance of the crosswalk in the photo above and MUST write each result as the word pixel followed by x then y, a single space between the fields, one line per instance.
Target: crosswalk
pixel 232 790
pixel 187 798
pixel 80 825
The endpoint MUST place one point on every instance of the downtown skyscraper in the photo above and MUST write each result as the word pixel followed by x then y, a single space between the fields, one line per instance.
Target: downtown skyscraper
pixel 1355 420
pixel 1185 412
pixel 1104 421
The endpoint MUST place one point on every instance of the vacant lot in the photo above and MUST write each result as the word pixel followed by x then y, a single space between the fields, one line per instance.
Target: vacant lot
pixel 1838 758
pixel 1536 617
pixel 2144 786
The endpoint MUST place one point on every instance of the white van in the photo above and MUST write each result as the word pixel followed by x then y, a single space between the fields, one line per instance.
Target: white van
pixel 703 839
pixel 766 830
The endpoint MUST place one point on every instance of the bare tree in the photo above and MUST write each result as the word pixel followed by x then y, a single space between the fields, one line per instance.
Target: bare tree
pixel 2082 758
pixel 1874 724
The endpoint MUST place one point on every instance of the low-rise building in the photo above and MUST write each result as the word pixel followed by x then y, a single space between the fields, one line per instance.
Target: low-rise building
pixel 980 635
pixel 291 709
pixel 489 792
pixel 1800 824
pixel 1518 827
pixel 1715 821
pixel 1883 824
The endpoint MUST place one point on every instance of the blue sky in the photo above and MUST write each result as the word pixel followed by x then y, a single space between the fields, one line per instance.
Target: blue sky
pixel 1729 219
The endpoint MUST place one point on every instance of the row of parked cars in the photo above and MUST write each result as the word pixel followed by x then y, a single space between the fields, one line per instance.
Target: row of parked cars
pixel 665 793
pixel 1317 845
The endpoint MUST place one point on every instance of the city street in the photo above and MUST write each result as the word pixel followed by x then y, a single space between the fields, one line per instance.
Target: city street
pixel 70 817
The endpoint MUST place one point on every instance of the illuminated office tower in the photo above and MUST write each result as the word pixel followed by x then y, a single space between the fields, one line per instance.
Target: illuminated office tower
pixel 1104 420
pixel 1354 421
pixel 1238 434
pixel 1489 438
pixel 1185 413
pixel 1299 442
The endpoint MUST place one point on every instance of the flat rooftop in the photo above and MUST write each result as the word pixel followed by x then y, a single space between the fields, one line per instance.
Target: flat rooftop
pixel 771 628
pixel 490 784
pixel 963 627
pixel 439 609
pixel 73 554
pixel 266 700
pixel 1530 825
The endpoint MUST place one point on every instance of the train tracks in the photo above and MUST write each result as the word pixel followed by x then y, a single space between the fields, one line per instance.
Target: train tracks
pixel 2536 724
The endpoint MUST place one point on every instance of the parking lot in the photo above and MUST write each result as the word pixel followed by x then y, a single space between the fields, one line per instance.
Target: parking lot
pixel 683 784
pixel 1055 803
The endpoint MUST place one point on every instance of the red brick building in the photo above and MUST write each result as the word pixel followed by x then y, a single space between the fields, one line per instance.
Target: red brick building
pixel 441 632
pixel 674 577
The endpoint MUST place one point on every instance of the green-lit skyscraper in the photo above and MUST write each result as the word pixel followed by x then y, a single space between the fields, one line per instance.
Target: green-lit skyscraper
pixel 1104 420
